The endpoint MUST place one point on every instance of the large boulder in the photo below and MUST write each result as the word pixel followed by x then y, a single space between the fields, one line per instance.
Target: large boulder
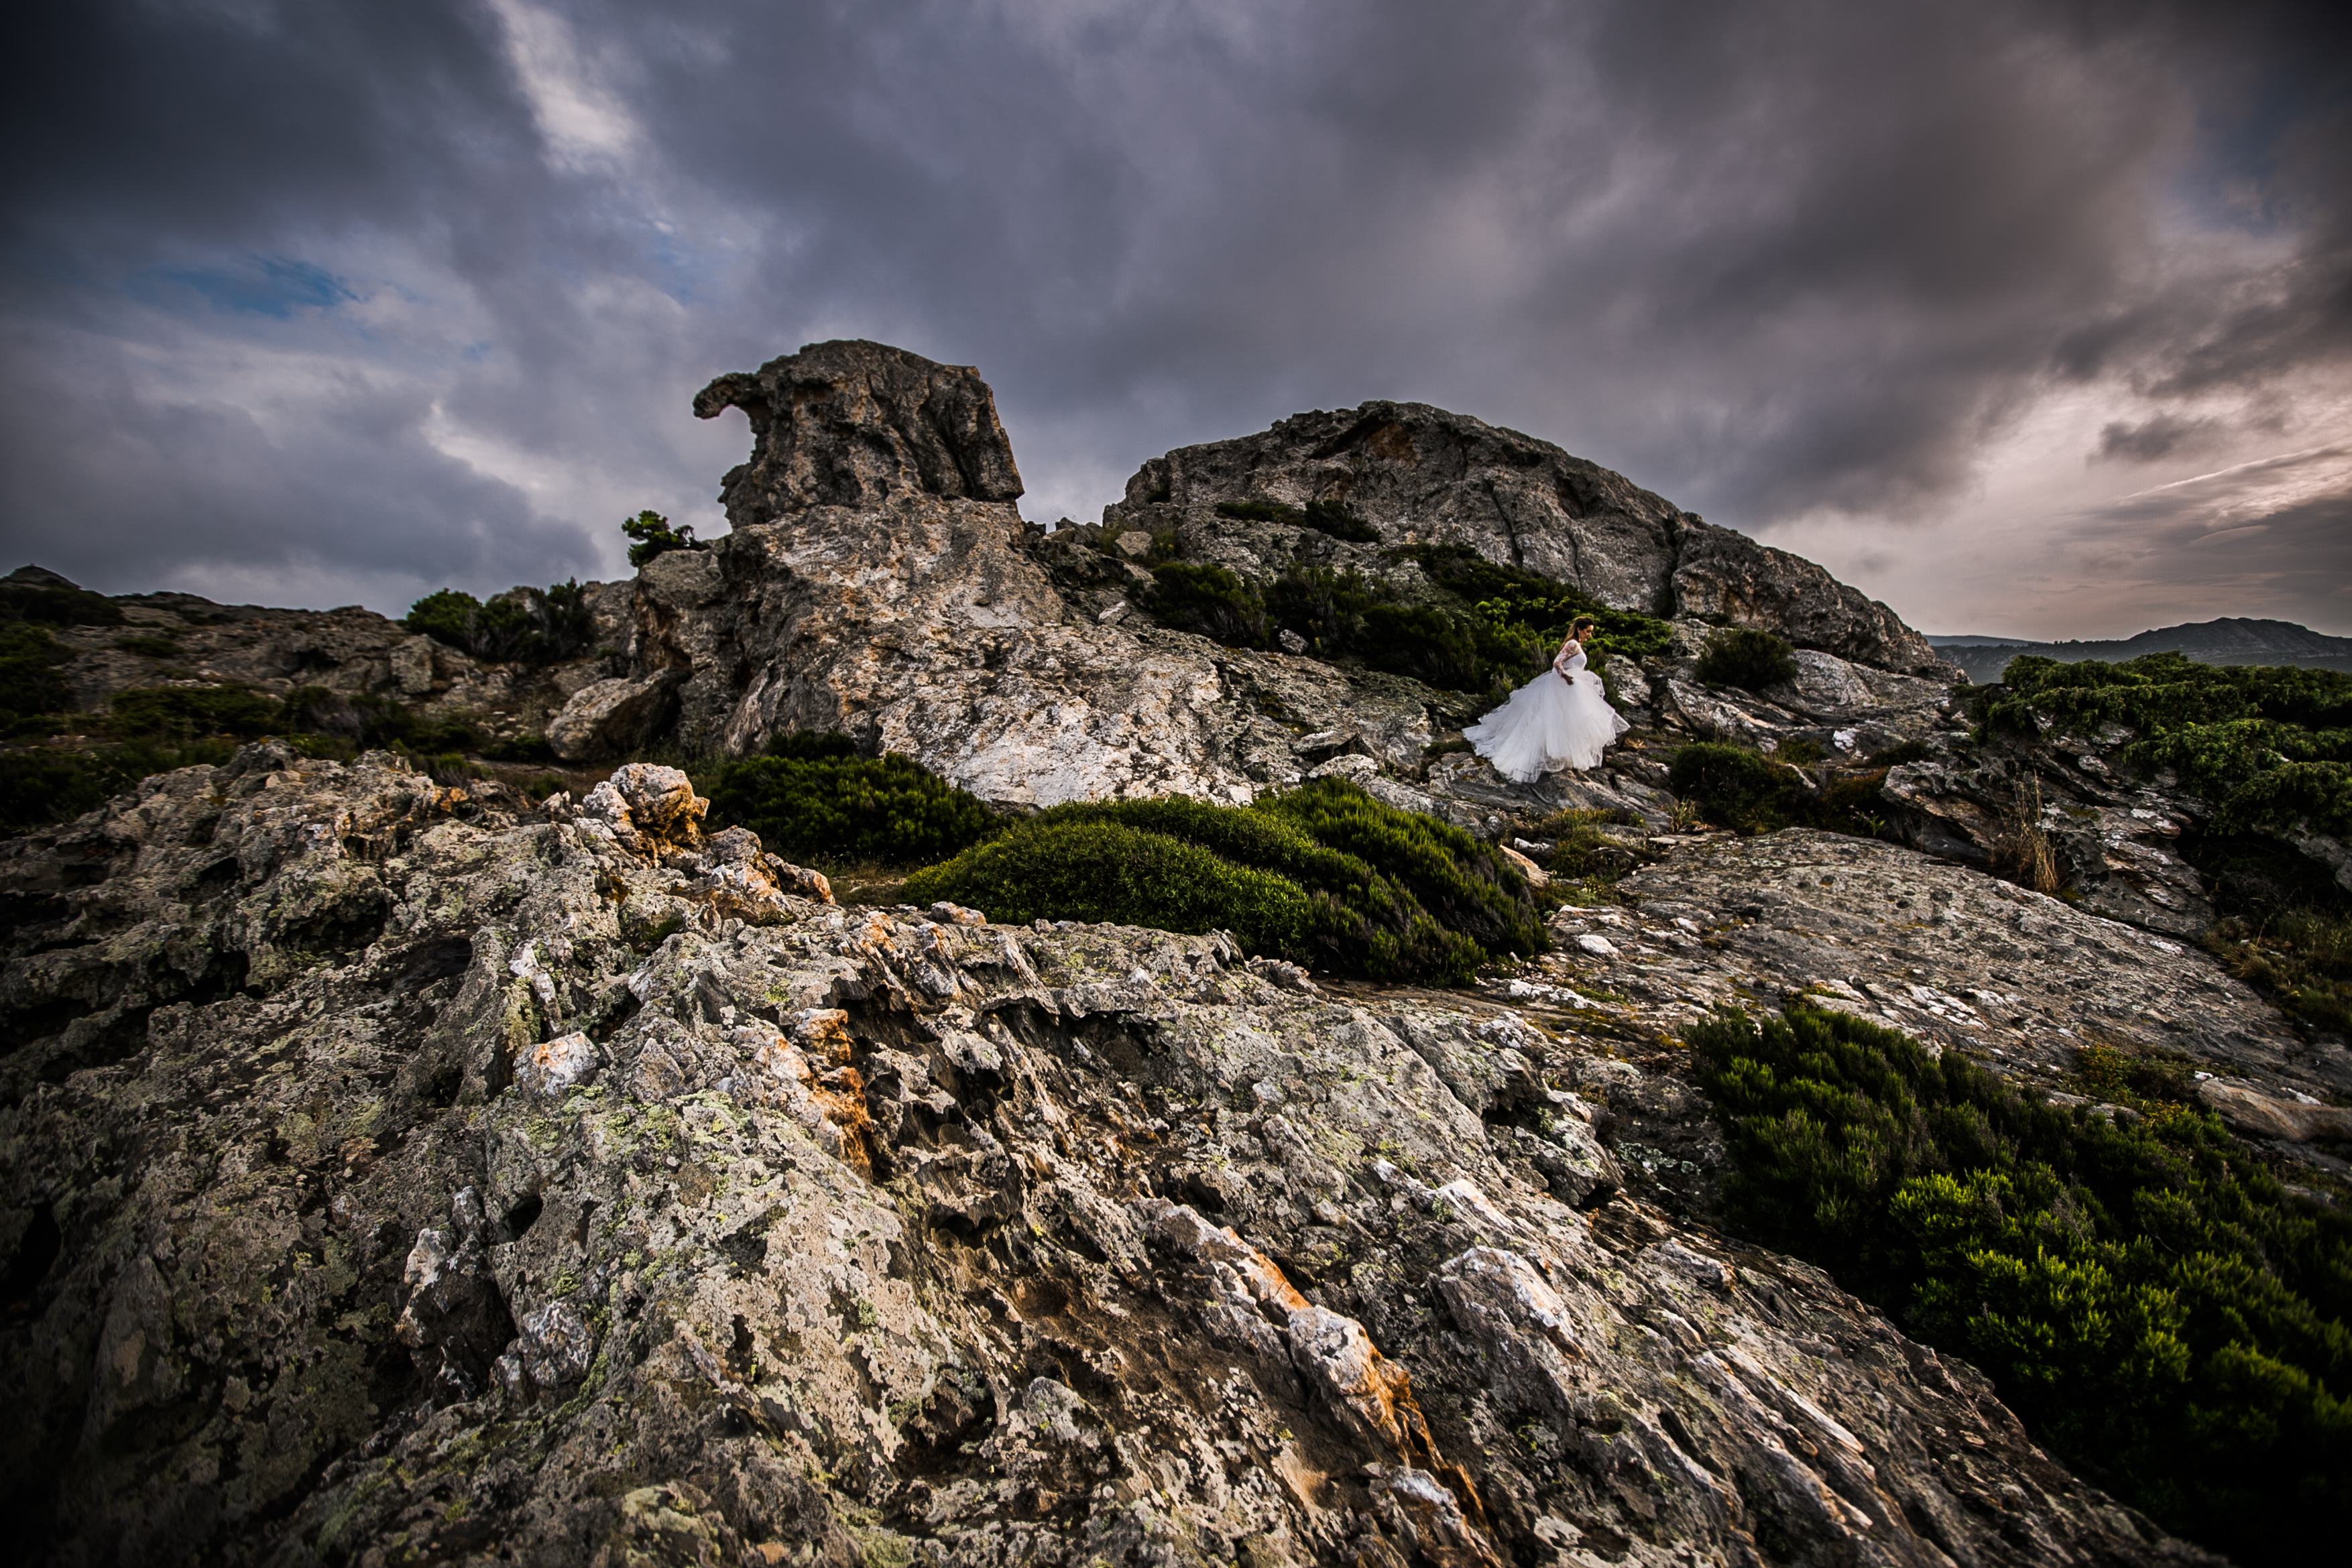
pixel 852 424
pixel 1423 476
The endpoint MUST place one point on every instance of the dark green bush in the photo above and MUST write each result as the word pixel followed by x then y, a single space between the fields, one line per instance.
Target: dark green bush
pixel 55 604
pixel 41 787
pixel 367 723
pixel 1205 600
pixel 1108 871
pixel 1733 785
pixel 814 799
pixel 182 714
pixel 1743 657
pixel 30 685
pixel 1537 607
pixel 1383 893
pixel 521 626
pixel 2271 746
pixel 2146 1297
pixel 654 536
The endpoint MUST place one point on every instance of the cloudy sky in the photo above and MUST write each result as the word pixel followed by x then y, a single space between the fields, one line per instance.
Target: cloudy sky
pixel 2028 318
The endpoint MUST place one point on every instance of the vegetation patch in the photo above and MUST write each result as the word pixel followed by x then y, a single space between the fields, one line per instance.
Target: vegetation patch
pixel 2167 1319
pixel 2271 746
pixel 650 535
pixel 55 604
pixel 1738 788
pixel 521 626
pixel 1334 878
pixel 813 799
pixel 1743 657
pixel 1468 626
pixel 31 690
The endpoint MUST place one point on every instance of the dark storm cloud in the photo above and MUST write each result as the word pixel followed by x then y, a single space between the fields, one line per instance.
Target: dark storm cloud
pixel 387 295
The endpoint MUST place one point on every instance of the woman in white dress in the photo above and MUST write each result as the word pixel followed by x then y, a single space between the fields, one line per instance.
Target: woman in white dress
pixel 1559 720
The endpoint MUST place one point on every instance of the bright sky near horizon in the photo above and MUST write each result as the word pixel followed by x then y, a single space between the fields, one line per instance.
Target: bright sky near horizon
pixel 2027 319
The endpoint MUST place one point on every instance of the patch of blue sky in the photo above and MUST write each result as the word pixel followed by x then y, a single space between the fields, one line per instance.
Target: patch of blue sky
pixel 267 286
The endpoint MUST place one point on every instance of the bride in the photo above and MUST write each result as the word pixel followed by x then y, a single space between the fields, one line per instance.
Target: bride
pixel 1559 720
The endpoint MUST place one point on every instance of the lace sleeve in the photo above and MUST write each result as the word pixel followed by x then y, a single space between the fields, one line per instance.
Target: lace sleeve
pixel 1567 650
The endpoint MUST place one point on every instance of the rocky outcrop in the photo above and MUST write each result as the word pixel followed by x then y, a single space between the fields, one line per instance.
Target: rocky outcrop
pixel 392 1177
pixel 853 423
pixel 1423 476
pixel 171 639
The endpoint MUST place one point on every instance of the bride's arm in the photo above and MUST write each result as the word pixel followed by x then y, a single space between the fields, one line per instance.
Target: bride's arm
pixel 1567 650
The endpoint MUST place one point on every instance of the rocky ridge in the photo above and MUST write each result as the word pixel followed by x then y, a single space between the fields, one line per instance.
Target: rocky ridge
pixel 402 1172
pixel 423 1181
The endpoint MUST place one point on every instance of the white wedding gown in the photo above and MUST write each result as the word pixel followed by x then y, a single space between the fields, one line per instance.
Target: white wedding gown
pixel 1549 724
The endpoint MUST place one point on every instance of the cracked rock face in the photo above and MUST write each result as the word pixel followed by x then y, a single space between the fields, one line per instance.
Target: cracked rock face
pixel 862 1236
pixel 1420 475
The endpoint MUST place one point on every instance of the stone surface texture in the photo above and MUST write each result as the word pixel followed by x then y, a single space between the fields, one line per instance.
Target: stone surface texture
pixel 1420 475
pixel 421 1181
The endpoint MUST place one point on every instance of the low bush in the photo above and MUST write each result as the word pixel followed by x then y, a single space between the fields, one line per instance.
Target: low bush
pixel 1108 872
pixel 44 786
pixel 150 647
pixel 1207 601
pixel 55 604
pixel 1476 627
pixel 30 686
pixel 182 714
pixel 1734 786
pixel 814 799
pixel 2148 1298
pixel 651 535
pixel 2271 746
pixel 521 626
pixel 1737 788
pixel 1376 892
pixel 1743 657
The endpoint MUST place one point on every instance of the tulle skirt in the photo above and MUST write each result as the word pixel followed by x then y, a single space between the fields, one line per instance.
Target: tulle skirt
pixel 1547 724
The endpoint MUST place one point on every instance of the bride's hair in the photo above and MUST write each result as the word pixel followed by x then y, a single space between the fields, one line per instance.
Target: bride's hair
pixel 1582 624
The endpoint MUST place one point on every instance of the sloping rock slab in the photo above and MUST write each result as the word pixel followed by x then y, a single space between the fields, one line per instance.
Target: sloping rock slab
pixel 848 1235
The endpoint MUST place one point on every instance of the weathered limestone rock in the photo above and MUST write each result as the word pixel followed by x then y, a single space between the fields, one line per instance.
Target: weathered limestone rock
pixel 615 717
pixel 853 423
pixel 1420 475
pixel 874 1237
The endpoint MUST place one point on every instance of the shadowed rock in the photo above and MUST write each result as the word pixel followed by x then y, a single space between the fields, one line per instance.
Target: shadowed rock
pixel 852 424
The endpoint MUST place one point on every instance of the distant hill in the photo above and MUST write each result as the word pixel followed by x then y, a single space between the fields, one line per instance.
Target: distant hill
pixel 2230 640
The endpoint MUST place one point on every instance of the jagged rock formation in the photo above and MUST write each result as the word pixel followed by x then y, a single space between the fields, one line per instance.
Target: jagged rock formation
pixel 1422 474
pixel 879 582
pixel 184 639
pixel 392 1177
pixel 852 424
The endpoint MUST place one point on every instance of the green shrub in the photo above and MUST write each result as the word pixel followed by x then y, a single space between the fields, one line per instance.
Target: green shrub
pixel 654 536
pixel 183 714
pixel 370 722
pixel 814 799
pixel 150 647
pixel 1536 606
pixel 30 685
pixel 55 604
pixel 1108 871
pixel 2271 746
pixel 1478 627
pixel 1461 883
pixel 1385 894
pixel 2145 1297
pixel 1206 600
pixel 1743 657
pixel 1733 785
pixel 41 787
pixel 521 626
